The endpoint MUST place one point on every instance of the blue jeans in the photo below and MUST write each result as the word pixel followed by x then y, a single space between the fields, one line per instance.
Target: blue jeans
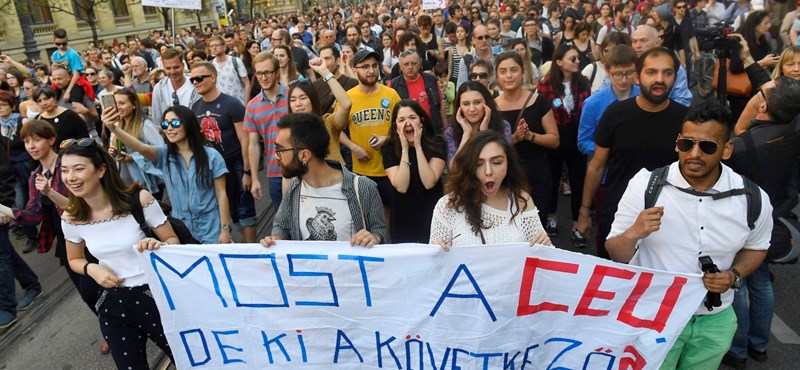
pixel 12 266
pixel 241 203
pixel 275 192
pixel 755 321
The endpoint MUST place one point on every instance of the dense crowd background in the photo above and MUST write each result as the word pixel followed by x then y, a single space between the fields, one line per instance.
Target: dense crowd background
pixel 192 118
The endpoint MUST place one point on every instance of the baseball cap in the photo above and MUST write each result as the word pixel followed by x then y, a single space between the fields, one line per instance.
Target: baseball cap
pixel 364 54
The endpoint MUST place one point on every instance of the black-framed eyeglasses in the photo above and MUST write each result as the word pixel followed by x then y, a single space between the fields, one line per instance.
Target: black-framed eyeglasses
pixel 83 143
pixel 175 123
pixel 619 75
pixel 279 150
pixel 706 146
pixel 198 79
pixel 264 74
pixel 479 75
pixel 175 100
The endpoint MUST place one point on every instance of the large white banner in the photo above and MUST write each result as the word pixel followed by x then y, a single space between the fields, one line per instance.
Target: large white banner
pixel 178 4
pixel 323 305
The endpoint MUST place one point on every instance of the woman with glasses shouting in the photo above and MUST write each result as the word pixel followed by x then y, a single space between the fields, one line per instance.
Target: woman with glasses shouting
pixel 565 89
pixel 194 174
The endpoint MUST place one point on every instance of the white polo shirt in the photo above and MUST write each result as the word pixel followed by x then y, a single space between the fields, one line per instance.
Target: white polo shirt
pixel 694 226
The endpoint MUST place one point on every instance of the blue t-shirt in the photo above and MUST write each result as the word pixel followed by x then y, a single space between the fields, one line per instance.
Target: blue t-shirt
pixel 74 62
pixel 193 204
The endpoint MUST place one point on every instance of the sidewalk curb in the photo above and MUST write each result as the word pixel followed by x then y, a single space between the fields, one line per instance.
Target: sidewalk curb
pixel 32 316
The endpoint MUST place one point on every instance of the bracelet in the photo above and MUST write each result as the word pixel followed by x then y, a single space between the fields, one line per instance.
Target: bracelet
pixel 86 268
pixel 247 172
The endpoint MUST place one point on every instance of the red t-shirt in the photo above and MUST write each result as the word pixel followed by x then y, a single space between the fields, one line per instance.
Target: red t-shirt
pixel 416 91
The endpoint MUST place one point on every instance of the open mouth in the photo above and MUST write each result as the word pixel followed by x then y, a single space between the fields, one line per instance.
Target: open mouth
pixel 489 186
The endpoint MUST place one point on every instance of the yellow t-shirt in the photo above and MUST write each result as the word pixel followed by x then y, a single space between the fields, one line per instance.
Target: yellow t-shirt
pixel 370 114
pixel 334 152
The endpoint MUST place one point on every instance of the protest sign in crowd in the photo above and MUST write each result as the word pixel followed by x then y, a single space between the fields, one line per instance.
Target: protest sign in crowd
pixel 437 138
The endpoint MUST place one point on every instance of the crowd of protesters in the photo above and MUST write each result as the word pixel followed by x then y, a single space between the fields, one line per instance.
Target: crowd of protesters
pixel 385 123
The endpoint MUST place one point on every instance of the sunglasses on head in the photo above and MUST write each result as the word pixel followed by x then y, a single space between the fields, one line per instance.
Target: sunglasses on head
pixel 175 123
pixel 706 146
pixel 478 75
pixel 198 79
pixel 83 143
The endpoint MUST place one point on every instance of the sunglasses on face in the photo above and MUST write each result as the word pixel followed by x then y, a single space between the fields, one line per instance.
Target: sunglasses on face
pixel 479 75
pixel 91 73
pixel 59 44
pixel 706 146
pixel 175 123
pixel 482 37
pixel 82 143
pixel 199 79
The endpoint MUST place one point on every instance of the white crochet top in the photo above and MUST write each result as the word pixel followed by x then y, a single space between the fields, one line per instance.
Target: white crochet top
pixel 447 223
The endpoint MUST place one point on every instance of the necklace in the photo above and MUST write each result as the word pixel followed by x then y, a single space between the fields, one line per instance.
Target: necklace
pixel 48 173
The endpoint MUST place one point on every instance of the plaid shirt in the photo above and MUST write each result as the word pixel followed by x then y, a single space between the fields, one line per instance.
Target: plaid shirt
pixel 548 91
pixel 44 212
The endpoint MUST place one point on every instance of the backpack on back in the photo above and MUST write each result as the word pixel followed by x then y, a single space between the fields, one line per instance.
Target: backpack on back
pixel 183 233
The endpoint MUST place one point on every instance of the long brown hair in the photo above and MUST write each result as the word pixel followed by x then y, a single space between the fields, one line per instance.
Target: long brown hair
pixel 465 188
pixel 136 123
pixel 111 182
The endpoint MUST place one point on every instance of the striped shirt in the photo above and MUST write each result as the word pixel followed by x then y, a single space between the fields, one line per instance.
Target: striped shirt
pixel 261 116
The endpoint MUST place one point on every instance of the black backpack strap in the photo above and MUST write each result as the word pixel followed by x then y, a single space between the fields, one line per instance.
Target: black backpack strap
pixel 753 202
pixel 658 178
pixel 137 212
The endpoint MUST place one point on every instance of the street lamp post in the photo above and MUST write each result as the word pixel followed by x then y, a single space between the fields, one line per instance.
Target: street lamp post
pixel 26 23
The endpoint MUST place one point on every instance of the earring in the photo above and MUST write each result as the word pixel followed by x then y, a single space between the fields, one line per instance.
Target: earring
pixel 305 164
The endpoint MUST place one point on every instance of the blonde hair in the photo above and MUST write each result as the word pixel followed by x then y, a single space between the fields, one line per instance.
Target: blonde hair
pixel 787 55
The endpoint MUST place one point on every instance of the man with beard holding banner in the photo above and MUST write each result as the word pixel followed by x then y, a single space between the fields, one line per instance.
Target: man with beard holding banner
pixel 323 200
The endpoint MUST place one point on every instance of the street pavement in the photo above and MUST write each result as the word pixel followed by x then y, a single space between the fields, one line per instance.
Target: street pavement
pixel 61 333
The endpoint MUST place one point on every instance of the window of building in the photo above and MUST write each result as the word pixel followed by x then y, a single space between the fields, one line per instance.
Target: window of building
pixel 119 8
pixel 40 12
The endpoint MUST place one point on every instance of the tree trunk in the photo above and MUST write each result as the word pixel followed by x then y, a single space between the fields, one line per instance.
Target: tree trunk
pixel 93 26
pixel 165 13
pixel 198 13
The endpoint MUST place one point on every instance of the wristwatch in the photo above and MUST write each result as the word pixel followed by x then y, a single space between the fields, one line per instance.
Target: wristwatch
pixel 328 77
pixel 737 280
pixel 247 172
pixel 226 227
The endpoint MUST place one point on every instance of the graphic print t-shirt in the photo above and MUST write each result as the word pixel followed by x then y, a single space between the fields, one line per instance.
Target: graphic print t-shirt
pixel 324 214
pixel 216 120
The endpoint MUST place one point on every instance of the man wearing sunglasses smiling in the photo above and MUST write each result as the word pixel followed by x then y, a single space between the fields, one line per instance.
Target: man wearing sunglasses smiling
pixel 688 223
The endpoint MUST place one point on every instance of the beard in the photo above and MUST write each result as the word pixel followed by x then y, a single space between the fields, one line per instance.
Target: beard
pixel 367 81
pixel 656 99
pixel 295 168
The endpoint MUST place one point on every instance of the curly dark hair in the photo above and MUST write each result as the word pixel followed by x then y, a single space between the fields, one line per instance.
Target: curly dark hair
pixel 465 188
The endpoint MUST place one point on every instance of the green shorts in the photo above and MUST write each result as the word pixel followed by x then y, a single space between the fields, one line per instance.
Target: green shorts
pixel 703 342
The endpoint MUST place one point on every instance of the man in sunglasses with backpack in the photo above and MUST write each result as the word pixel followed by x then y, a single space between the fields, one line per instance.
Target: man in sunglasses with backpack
pixel 689 217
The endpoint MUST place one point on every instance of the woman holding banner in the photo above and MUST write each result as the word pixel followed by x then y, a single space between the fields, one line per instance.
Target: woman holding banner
pixel 486 202
pixel 98 217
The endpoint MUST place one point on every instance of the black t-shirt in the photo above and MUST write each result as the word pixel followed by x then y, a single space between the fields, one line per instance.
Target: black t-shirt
pixel 117 76
pixel 68 125
pixel 412 212
pixel 217 120
pixel 326 98
pixel 637 139
pixel 533 114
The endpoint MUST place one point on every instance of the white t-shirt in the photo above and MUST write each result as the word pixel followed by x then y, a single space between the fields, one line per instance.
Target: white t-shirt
pixel 228 82
pixel 112 241
pixel 324 213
